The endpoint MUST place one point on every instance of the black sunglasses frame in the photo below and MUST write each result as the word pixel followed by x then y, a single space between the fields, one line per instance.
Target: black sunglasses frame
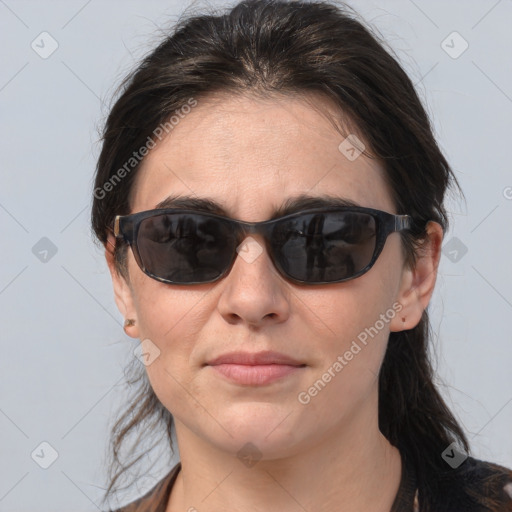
pixel 126 227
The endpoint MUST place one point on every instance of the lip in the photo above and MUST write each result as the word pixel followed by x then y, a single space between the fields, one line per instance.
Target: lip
pixel 255 369
pixel 255 358
pixel 255 375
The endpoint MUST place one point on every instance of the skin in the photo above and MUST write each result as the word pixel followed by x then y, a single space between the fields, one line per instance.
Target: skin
pixel 250 155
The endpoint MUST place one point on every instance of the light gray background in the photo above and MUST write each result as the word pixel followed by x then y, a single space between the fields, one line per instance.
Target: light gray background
pixel 63 347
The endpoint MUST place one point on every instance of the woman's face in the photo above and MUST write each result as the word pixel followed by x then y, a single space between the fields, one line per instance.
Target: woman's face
pixel 250 156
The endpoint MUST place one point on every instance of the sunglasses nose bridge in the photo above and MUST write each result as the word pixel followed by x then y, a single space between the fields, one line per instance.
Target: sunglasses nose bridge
pixel 254 229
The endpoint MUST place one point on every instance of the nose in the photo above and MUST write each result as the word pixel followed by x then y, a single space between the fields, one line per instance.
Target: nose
pixel 254 292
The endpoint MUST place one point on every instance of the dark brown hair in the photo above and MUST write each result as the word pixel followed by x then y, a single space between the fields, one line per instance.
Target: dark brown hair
pixel 268 48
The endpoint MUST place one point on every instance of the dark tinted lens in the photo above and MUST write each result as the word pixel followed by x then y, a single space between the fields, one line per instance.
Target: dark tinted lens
pixel 185 248
pixel 325 246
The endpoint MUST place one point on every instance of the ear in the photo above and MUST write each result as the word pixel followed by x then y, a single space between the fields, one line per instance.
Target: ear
pixel 122 291
pixel 417 283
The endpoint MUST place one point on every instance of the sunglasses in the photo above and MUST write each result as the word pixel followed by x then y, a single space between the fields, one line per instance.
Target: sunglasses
pixel 315 246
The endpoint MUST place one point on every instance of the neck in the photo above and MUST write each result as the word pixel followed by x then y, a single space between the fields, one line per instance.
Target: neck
pixel 353 467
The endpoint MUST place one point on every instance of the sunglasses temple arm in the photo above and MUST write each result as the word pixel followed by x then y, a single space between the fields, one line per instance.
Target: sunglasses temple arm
pixel 402 222
pixel 116 226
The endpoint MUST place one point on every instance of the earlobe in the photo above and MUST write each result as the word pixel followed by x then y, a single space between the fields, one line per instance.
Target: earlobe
pixel 122 291
pixel 417 283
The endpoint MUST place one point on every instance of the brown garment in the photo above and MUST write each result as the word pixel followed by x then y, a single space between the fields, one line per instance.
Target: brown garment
pixel 476 486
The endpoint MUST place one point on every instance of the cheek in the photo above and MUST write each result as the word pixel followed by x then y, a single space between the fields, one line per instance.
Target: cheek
pixel 355 322
pixel 351 359
pixel 359 309
pixel 355 319
pixel 170 320
pixel 163 310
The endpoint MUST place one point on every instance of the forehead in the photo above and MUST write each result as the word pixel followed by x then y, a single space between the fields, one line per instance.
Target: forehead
pixel 250 155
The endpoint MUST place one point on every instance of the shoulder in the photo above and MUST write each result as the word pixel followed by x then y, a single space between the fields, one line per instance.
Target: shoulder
pixel 155 500
pixel 474 486
pixel 489 484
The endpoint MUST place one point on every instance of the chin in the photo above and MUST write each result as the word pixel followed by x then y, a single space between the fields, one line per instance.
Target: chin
pixel 250 447
pixel 258 427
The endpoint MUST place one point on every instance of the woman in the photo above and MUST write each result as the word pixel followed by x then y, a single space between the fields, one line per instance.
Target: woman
pixel 270 198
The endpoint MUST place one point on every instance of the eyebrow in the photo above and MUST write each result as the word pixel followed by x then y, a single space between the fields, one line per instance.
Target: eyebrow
pixel 291 205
